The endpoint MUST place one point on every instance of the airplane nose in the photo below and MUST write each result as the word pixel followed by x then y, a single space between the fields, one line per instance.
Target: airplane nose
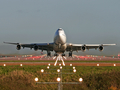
pixel 61 37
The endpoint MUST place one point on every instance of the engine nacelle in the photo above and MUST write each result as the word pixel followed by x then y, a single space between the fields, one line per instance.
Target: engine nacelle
pixel 36 47
pixel 101 48
pixel 18 47
pixel 83 48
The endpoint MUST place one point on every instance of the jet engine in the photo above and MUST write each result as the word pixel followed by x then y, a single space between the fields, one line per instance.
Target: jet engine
pixel 36 47
pixel 101 48
pixel 83 48
pixel 18 47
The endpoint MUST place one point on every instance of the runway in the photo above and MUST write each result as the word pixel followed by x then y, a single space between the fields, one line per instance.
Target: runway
pixel 74 58
pixel 43 60
pixel 66 63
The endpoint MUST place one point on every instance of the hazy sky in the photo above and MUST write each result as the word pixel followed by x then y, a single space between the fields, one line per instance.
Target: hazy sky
pixel 84 21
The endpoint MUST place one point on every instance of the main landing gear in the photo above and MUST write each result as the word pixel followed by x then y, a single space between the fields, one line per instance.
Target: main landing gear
pixel 70 54
pixel 49 53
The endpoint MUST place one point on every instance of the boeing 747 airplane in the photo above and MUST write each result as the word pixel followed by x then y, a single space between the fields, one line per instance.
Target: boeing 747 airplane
pixel 59 45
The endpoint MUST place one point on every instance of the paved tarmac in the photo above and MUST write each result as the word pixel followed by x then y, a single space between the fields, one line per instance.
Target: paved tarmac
pixel 39 58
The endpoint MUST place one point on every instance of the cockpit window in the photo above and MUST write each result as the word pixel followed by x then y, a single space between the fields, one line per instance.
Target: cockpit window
pixel 60 29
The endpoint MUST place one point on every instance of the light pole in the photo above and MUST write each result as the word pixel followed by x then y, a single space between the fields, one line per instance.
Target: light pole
pixel 59 83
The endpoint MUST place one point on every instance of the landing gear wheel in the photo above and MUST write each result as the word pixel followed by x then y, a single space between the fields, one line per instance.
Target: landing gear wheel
pixel 55 54
pixel 70 54
pixel 49 54
pixel 63 54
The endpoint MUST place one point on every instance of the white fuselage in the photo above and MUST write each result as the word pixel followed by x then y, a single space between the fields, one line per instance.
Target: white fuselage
pixel 60 41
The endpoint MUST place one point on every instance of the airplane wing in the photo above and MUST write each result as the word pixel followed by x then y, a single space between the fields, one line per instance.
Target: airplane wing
pixel 83 47
pixel 36 46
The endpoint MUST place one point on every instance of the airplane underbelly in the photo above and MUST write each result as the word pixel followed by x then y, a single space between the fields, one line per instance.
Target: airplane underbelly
pixel 60 48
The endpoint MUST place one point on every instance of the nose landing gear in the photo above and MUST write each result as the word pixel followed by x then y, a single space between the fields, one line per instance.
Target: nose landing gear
pixel 63 54
pixel 55 54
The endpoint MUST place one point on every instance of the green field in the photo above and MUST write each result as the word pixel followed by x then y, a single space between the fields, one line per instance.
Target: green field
pixel 95 78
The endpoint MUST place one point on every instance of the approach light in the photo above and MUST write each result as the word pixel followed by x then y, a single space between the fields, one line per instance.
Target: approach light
pixel 42 70
pixel 4 65
pixel 58 79
pixel 58 70
pixel 73 67
pixel 70 64
pixel 48 67
pixel 59 64
pixel 114 64
pixel 80 79
pixel 97 64
pixel 36 79
pixel 21 65
pixel 74 70
pixel 61 67
pixel 49 64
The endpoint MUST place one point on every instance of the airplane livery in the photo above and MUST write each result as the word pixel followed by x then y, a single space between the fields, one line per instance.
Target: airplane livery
pixel 59 45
